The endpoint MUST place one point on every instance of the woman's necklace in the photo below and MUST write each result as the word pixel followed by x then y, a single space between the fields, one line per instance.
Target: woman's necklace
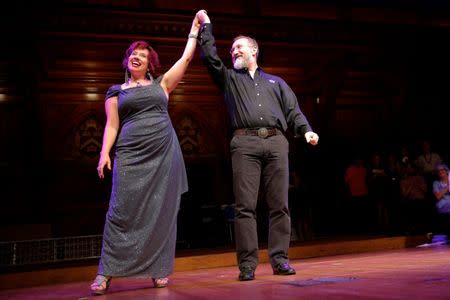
pixel 138 82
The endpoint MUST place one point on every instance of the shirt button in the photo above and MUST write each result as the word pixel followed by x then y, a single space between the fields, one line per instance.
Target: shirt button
pixel 256 84
pixel 259 104
pixel 261 118
pixel 257 94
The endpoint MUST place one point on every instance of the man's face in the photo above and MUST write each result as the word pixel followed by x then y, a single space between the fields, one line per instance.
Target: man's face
pixel 241 53
pixel 442 173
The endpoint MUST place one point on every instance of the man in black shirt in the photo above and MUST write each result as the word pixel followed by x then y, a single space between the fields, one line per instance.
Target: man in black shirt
pixel 261 107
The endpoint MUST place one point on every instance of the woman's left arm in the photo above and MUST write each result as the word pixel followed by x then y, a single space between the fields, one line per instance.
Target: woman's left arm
pixel 172 77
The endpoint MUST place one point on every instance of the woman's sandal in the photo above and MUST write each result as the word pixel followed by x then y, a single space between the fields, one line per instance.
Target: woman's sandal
pixel 100 285
pixel 160 282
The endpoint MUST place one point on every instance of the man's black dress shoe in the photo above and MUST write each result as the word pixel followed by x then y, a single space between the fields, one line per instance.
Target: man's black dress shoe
pixel 283 269
pixel 247 273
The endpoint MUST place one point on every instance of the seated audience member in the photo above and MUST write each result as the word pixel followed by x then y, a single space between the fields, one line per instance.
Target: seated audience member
pixel 417 208
pixel 442 194
pixel 427 162
pixel 404 161
pixel 380 194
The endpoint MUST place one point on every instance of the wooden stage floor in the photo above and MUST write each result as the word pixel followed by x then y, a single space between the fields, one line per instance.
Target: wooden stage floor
pixel 410 273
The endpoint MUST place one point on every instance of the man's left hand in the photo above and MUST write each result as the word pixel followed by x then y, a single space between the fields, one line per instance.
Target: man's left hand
pixel 311 138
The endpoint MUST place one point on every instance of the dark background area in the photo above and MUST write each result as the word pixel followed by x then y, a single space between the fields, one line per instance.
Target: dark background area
pixel 369 75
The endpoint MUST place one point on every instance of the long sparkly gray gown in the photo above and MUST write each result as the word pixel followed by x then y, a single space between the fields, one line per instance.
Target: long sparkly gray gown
pixel 149 177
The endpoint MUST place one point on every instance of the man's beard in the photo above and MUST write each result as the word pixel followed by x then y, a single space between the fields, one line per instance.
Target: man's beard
pixel 240 63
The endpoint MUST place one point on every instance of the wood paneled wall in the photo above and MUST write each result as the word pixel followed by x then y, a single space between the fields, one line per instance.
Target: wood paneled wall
pixel 352 68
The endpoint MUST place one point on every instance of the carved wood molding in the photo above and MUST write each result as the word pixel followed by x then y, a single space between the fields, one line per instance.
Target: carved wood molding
pixel 121 24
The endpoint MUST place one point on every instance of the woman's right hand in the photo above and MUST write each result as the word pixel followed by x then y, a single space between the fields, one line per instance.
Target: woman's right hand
pixel 105 160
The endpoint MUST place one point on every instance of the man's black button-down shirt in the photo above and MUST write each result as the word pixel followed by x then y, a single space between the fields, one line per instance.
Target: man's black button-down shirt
pixel 263 101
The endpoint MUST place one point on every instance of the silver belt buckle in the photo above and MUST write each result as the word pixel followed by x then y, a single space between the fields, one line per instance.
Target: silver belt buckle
pixel 263 132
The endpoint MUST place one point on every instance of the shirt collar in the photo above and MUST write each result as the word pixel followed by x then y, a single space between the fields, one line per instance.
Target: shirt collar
pixel 258 71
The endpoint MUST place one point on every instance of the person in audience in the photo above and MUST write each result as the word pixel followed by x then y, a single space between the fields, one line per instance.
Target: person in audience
pixel 441 190
pixel 427 161
pixel 380 190
pixel 417 211
pixel 357 205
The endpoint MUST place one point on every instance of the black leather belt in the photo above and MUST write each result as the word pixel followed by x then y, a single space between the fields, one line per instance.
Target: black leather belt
pixel 263 132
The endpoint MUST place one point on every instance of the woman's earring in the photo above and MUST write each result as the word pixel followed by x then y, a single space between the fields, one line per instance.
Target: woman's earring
pixel 149 75
pixel 126 76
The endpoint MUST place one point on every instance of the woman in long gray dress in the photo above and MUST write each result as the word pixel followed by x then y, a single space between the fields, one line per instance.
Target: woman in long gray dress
pixel 148 172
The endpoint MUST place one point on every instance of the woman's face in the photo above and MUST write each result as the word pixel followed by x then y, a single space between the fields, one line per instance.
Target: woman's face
pixel 138 60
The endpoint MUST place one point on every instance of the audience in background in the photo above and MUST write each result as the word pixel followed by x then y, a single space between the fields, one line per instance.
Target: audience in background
pixel 396 194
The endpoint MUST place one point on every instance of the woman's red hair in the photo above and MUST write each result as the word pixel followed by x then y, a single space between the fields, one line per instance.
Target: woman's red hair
pixel 153 59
